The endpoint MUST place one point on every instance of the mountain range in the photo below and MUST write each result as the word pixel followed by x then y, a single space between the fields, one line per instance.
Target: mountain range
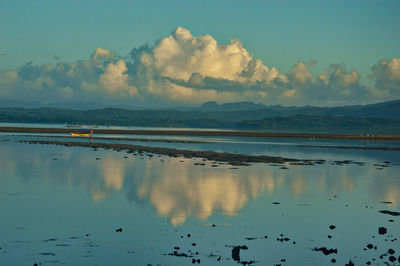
pixel 379 117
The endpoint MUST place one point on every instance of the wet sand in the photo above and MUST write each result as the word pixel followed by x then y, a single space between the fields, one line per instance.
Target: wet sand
pixel 210 133
pixel 230 158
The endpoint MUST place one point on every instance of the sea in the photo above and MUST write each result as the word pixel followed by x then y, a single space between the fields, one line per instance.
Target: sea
pixel 82 206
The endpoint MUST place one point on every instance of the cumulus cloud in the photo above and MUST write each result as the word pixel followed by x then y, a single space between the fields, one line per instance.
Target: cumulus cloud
pixel 115 80
pixel 387 77
pixel 300 75
pixel 183 67
pixel 186 69
pixel 337 84
pixel 101 54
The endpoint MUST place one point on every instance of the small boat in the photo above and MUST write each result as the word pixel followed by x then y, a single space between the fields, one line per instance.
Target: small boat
pixel 82 134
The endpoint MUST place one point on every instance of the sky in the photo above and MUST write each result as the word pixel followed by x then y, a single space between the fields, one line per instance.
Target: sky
pixel 171 53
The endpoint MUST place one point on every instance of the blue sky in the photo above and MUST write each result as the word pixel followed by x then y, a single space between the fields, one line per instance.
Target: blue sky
pixel 357 34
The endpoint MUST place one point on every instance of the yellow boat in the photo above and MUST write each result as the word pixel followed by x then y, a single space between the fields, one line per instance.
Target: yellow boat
pixel 80 135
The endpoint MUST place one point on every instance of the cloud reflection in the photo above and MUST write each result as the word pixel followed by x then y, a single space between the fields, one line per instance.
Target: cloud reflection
pixel 180 190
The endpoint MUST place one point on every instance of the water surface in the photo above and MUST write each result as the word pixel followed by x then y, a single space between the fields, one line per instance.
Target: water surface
pixel 62 205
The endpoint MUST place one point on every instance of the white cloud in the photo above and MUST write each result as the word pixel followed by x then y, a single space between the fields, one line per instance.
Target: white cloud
pixel 115 80
pixel 181 54
pixel 101 54
pixel 187 69
pixel 299 75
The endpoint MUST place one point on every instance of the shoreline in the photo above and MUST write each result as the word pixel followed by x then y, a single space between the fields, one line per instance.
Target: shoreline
pixel 209 133
pixel 119 139
pixel 381 148
pixel 351 147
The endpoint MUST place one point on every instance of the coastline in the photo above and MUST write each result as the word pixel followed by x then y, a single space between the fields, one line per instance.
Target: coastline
pixel 208 133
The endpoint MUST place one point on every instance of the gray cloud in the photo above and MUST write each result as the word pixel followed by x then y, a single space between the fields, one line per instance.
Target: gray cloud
pixel 386 74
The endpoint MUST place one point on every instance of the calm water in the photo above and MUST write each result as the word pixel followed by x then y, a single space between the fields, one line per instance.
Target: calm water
pixel 62 205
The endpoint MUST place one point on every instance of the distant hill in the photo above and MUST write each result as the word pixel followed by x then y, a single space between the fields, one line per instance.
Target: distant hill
pixel 380 117
pixel 238 106
pixel 324 124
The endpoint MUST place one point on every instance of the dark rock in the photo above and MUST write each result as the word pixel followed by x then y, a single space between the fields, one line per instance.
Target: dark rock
pixel 326 251
pixel 276 202
pixel 193 244
pixel 118 230
pixel 50 240
pixel 188 235
pixel 329 236
pixel 370 246
pixel 332 227
pixel 391 251
pixel 392 258
pixel 390 213
pixel 350 263
pixel 333 260
pixel 236 252
pixel 176 254
pixel 382 230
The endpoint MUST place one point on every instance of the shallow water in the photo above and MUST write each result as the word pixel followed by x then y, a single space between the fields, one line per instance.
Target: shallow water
pixel 62 205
